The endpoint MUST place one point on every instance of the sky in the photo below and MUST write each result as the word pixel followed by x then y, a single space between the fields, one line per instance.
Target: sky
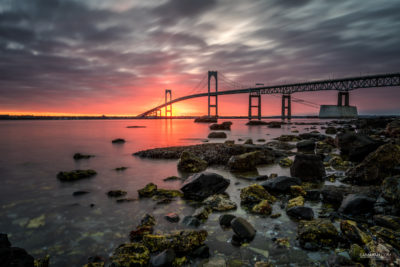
pixel 117 57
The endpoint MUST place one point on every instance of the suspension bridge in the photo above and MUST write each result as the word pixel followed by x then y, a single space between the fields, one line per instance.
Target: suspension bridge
pixel 343 86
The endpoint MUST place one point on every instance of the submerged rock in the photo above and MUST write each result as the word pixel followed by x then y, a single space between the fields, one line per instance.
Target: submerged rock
pixel 118 141
pixel 188 162
pixel 75 175
pixel 256 122
pixel 78 156
pixel 191 221
pixel 202 185
pixel 243 229
pixel 131 254
pixel 120 169
pixel 288 138
pixel 206 119
pixel 172 217
pixel 220 202
pixel 317 233
pixel 356 204
pixel 391 190
pixel 116 193
pixel 217 135
pixel 202 213
pixel 225 126
pixel 376 166
pixel 301 213
pixel 148 191
pixel 331 130
pixel 254 194
pixel 248 161
pixel 80 193
pixel 308 167
pixel 281 184
pixel 274 124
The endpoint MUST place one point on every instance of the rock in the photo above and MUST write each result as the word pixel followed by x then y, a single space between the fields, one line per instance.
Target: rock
pixel 144 228
pixel 339 164
pixel 148 191
pixel 297 190
pixel 247 161
pixel 280 145
pixel 356 252
pixel 217 135
pixel 288 138
pixel 4 243
pixel 254 194
pixel 191 221
pixel 118 141
pixel 201 252
pixel 116 193
pixel 391 190
pixel 131 254
pixel 78 156
pixel 285 162
pixel 226 219
pixel 261 140
pixel 306 146
pixel 248 142
pixel 336 260
pixel 295 202
pixel 256 122
pixel 387 254
pixel 388 221
pixel 281 184
pixel 183 241
pixel 120 169
pixel 317 233
pixel 263 208
pixel 75 175
pixel 263 264
pixel 206 119
pixel 225 126
pixel 313 194
pixel 202 185
pixel 216 261
pixel 80 193
pixel 13 256
pixel 136 126
pixel 353 233
pixel 393 128
pixel 308 167
pixel 172 217
pixel 301 213
pixel 163 259
pixel 274 124
pixel 276 215
pixel 190 163
pixel 166 193
pixel 356 204
pixel 334 194
pixel 123 200
pixel 45 262
pixel 172 178
pixel 202 213
pixel 220 202
pixel 243 229
pixel 323 147
pixel 355 146
pixel 331 130
pixel 376 166
pixel 388 235
pixel 315 136
pixel 37 222
pixel 229 142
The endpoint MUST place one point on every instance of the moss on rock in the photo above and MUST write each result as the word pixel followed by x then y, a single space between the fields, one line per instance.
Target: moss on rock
pixel 132 254
pixel 75 175
pixel 263 208
pixel 317 233
pixel 188 162
pixel 295 202
pixel 254 194
pixel 148 191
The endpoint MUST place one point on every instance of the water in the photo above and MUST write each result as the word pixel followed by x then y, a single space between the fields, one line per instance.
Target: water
pixel 40 214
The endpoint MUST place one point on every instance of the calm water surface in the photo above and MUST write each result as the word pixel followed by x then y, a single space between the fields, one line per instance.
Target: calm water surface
pixel 40 214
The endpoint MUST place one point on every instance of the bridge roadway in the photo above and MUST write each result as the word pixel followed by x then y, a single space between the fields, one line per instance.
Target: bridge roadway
pixel 344 84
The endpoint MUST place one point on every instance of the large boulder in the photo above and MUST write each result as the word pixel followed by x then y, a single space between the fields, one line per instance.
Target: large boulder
pixel 356 146
pixel 376 166
pixel 393 128
pixel 243 229
pixel 225 126
pixel 247 161
pixel 301 213
pixel 306 146
pixel 308 168
pixel 188 162
pixel 334 194
pixel 317 233
pixel 13 256
pixel 202 185
pixel 356 204
pixel 353 233
pixel 391 190
pixel 281 184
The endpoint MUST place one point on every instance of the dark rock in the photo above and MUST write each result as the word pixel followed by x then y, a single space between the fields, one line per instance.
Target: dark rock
pixel 225 126
pixel 288 138
pixel 308 167
pixel 80 193
pixel 148 191
pixel 306 146
pixel 13 256
pixel 388 235
pixel 281 184
pixel 256 122
pixel 217 135
pixel 274 124
pixel 243 229
pixel 164 259
pixel 172 178
pixel 131 254
pixel 123 200
pixel 334 194
pixel 315 136
pixel 317 233
pixel 335 260
pixel 354 234
pixel 220 202
pixel 301 213
pixel 247 161
pixel 136 126
pixel 391 190
pixel 388 221
pixel 356 146
pixel 118 141
pixel 248 141
pixel 376 166
pixel 4 243
pixel 201 252
pixel 172 217
pixel 236 241
pixel 191 221
pixel 331 130
pixel 280 145
pixel 313 194
pixel 120 169
pixel 226 219
pixel 78 156
pixel 116 193
pixel 202 213
pixel 206 119
pixel 202 185
pixel 75 175
pixel 393 128
pixel 188 162
pixel 355 204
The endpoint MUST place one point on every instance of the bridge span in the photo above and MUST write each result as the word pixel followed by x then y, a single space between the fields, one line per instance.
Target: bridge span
pixel 343 86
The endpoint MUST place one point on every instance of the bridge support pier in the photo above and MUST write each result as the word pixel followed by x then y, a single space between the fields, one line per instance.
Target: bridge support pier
pixel 286 106
pixel 257 96
pixel 346 96
pixel 168 108
pixel 215 105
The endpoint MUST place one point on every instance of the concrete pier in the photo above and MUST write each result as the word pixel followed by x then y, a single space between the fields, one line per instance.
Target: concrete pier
pixel 332 111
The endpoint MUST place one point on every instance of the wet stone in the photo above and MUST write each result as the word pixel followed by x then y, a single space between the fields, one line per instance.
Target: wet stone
pixel 356 204
pixel 226 219
pixel 75 175
pixel 78 156
pixel 243 229
pixel 301 213
pixel 188 162
pixel 164 258
pixel 202 185
pixel 191 221
pixel 217 135
pixel 172 217
pixel 116 193
pixel 80 193
pixel 281 184
pixel 118 141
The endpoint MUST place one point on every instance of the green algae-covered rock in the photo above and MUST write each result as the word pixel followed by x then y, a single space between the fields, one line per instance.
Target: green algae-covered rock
pixel 254 194
pixel 202 213
pixel 317 233
pixel 390 236
pixel 78 156
pixel 144 228
pixel 356 252
pixel 188 162
pixel 388 221
pixel 132 254
pixel 116 193
pixel 295 202
pixel 168 193
pixel 376 166
pixel 246 162
pixel 181 241
pixel 339 164
pixel 75 175
pixel 220 202
pixel 391 190
pixel 353 233
pixel 148 191
pixel 285 162
pixel 45 262
pixel 263 208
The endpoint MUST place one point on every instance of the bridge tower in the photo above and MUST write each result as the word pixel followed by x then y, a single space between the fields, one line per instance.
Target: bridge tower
pixel 215 105
pixel 346 96
pixel 257 105
pixel 168 108
pixel 286 106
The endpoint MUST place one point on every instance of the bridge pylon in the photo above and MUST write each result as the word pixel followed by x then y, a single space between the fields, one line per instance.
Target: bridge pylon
pixel 168 108
pixel 215 105
pixel 346 96
pixel 286 106
pixel 257 105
